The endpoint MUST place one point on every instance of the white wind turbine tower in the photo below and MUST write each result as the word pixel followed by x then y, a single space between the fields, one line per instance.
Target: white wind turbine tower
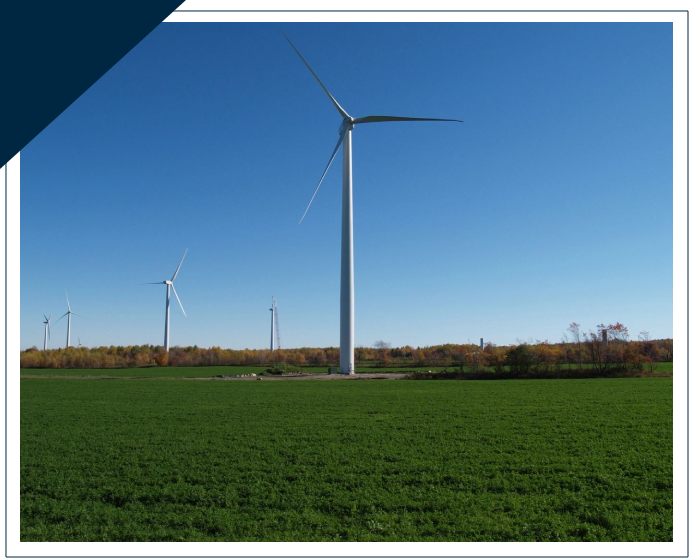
pixel 167 301
pixel 46 332
pixel 69 318
pixel 274 326
pixel 347 261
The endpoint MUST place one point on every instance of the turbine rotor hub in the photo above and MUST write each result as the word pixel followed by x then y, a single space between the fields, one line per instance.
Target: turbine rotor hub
pixel 348 122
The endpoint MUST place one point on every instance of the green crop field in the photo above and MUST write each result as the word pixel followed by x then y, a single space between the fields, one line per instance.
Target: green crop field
pixel 210 371
pixel 532 460
pixel 149 372
pixel 182 371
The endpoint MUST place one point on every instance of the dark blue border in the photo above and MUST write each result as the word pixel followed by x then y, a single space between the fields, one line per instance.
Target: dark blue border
pixel 680 288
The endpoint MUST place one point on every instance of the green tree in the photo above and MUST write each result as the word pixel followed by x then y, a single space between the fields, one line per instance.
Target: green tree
pixel 520 359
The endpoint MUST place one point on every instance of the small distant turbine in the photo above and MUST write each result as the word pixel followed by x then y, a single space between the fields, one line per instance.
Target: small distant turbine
pixel 347 257
pixel 79 340
pixel 46 332
pixel 69 318
pixel 167 301
pixel 272 326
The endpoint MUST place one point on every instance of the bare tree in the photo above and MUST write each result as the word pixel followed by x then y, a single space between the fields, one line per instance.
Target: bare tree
pixel 383 352
pixel 576 336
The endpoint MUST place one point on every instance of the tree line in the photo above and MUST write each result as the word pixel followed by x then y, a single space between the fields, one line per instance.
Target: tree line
pixel 606 348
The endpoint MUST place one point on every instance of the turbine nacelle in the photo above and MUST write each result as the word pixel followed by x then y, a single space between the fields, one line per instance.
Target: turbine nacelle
pixel 347 124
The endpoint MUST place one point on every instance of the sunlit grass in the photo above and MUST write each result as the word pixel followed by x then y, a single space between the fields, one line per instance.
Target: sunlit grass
pixel 395 460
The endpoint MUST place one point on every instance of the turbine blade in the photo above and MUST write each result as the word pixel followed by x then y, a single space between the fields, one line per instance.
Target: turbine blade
pixel 342 111
pixel 178 300
pixel 68 308
pixel 75 314
pixel 180 265
pixel 63 315
pixel 369 119
pixel 337 147
pixel 156 283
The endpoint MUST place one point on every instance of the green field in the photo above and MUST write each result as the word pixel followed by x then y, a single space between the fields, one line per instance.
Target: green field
pixel 533 460
pixel 209 371
pixel 149 372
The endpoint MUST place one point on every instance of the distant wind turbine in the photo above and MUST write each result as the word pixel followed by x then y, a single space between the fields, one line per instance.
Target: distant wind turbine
pixel 347 258
pixel 69 318
pixel 274 326
pixel 167 301
pixel 46 332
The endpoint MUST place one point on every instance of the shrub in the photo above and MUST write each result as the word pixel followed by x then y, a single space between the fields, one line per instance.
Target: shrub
pixel 282 368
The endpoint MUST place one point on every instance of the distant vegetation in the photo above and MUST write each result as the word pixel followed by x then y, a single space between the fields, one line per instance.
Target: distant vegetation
pixel 282 368
pixel 576 351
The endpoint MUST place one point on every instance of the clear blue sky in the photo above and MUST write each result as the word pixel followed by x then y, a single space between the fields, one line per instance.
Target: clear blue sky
pixel 551 203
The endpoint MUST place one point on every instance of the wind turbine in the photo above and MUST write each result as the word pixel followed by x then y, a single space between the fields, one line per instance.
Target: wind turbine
pixel 347 258
pixel 167 301
pixel 69 318
pixel 46 332
pixel 272 326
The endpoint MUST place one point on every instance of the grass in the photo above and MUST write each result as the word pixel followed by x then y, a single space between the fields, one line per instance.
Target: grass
pixel 158 372
pixel 663 367
pixel 210 371
pixel 538 460
pixel 148 372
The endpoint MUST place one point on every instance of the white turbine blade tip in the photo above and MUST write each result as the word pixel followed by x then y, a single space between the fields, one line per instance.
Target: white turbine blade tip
pixel 330 162
pixel 339 108
pixel 180 265
pixel 178 300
